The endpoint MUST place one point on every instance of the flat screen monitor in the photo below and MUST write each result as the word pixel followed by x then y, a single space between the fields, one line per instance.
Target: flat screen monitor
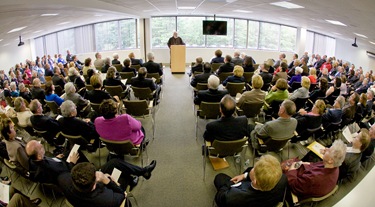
pixel 211 27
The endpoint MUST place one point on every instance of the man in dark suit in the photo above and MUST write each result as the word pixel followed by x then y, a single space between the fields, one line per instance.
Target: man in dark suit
pixel 56 78
pixel 48 70
pixel 254 188
pixel 227 66
pixel 228 127
pixel 266 76
pixel 37 92
pixel 142 82
pixel 198 66
pixel 151 66
pixel 212 94
pixel 202 78
pixel 334 114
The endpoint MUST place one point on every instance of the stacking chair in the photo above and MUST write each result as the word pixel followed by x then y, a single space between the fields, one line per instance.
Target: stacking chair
pixel 312 86
pixel 300 103
pixel 225 75
pixel 215 66
pixel 78 139
pixel 248 76
pixel 156 76
pixel 143 93
pixel 266 87
pixel 136 67
pixel 118 67
pixel 250 109
pixel 199 87
pixel 294 86
pixel 234 88
pixel 221 149
pixel 122 148
pixel 48 78
pixel 272 144
pixel 128 76
pixel 99 69
pixel 89 87
pixel 141 108
pixel 312 200
pixel 95 107
pixel 53 107
pixel 273 109
pixel 116 91
pixel 58 90
pixel 207 110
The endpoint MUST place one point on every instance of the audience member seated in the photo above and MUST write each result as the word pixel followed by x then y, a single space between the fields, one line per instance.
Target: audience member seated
pixel 127 67
pixel 248 64
pixel 115 60
pixel 282 74
pixel 202 78
pixel 343 87
pixel 57 78
pixel 312 75
pixel 13 89
pixel 14 146
pixel 311 120
pixel 256 95
pixel 370 103
pixel 324 74
pixel 37 92
pixel 25 79
pixel 370 149
pixel 70 94
pixel 197 67
pixel 142 82
pixel 237 60
pixel 320 91
pixel 228 127
pixel 217 58
pixel 237 76
pixel 212 94
pixel 48 70
pixel 87 66
pixel 335 89
pixel 50 94
pixel 265 74
pixel 349 109
pixel 111 79
pixel 23 113
pixel 107 64
pixel 90 73
pixel 280 129
pixel 24 92
pixel 333 115
pixel 126 127
pixel 303 65
pixel 71 125
pixel 308 180
pixel 78 64
pixel 98 95
pixel 75 78
pixel 278 92
pixel 297 77
pixel 302 92
pixel 98 62
pixel 262 185
pixel 282 57
pixel 134 60
pixel 227 66
pixel 361 89
pixel 151 66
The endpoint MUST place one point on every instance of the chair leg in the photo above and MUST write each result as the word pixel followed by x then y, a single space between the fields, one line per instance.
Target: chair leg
pixel 196 128
pixel 204 161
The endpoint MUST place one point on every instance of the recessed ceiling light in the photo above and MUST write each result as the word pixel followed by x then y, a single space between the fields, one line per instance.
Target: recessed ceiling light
pixel 335 22
pixel 360 35
pixel 98 15
pixel 1 40
pixel 48 15
pixel 336 33
pixel 372 42
pixel 6 44
pixel 287 5
pixel 242 11
pixel 17 29
pixel 37 31
pixel 62 23
pixel 148 10
pixel 185 7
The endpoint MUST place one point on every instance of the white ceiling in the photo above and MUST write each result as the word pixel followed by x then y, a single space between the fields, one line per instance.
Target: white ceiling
pixel 358 15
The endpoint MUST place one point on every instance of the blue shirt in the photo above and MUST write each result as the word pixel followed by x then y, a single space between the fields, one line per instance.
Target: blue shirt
pixel 55 98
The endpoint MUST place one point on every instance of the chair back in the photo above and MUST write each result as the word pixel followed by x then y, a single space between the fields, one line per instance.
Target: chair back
pixel 89 87
pixel 95 107
pixel 201 86
pixel 224 75
pixel 121 147
pixel 248 76
pixel 154 75
pixel 76 139
pixel 234 88
pixel 294 86
pixel 209 110
pixel 266 86
pixel 48 78
pixel 251 109
pixel 312 86
pixel 215 66
pixel 114 91
pixel 136 107
pixel 9 101
pixel 300 103
pixel 274 145
pixel 317 199
pixel 136 67
pixel 118 67
pixel 227 148
pixel 59 90
pixel 99 68
pixel 275 105
pixel 256 66
pixel 197 73
pixel 142 93
pixel 128 76
pixel 52 105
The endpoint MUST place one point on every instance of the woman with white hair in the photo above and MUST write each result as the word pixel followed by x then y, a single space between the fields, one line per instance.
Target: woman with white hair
pixel 297 77
pixel 75 78
pixel 13 89
pixel 115 60
pixel 70 94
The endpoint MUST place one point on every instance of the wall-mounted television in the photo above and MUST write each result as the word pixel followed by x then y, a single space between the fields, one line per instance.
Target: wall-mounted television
pixel 212 27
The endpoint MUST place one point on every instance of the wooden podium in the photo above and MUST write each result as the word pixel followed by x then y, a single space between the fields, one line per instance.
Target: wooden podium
pixel 178 59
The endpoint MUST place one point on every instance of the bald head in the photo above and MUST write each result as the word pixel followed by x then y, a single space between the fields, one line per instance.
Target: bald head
pixel 35 150
pixel 227 106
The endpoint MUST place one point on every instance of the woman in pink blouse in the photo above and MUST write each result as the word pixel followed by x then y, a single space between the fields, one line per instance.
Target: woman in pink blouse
pixel 114 127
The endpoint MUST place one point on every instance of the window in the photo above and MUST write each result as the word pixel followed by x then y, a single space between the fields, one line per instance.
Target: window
pixel 84 39
pixel 269 36
pixel 309 47
pixel 39 46
pixel 190 30
pixel 128 33
pixel 288 37
pixel 162 29
pixel 51 44
pixel 240 33
pixel 65 40
pixel 106 36
pixel 253 34
pixel 221 40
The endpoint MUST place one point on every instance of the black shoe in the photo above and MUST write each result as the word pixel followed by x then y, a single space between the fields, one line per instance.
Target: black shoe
pixel 36 201
pixel 149 169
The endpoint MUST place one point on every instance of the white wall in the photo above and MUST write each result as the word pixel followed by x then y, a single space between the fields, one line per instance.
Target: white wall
pixel 356 55
pixel 12 54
